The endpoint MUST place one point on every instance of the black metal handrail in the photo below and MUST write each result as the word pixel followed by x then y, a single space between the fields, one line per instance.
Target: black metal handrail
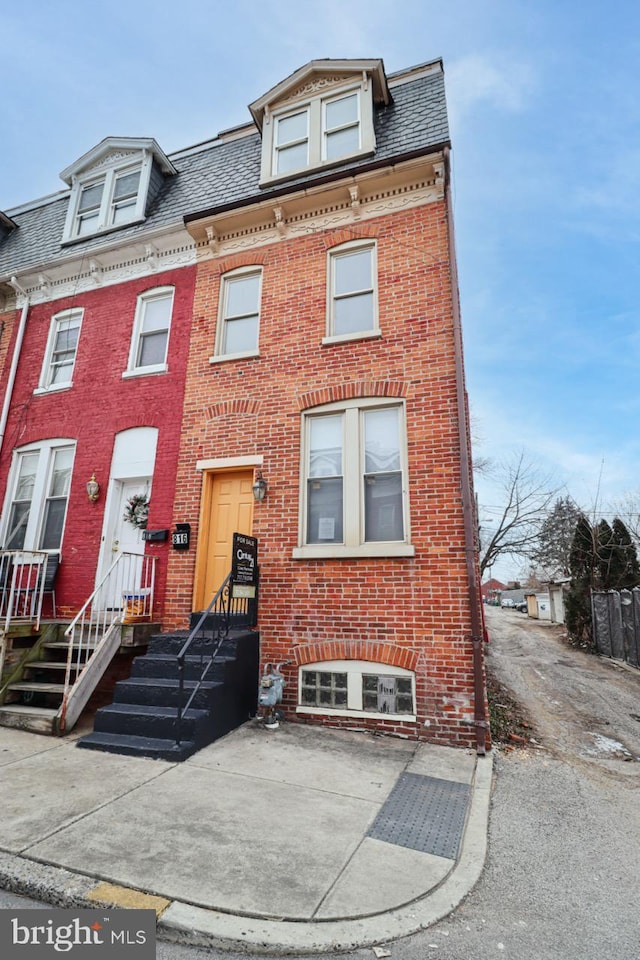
pixel 224 607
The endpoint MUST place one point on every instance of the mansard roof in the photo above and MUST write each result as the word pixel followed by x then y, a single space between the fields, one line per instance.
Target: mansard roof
pixel 225 172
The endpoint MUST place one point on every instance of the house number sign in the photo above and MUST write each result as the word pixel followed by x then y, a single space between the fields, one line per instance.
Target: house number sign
pixel 181 536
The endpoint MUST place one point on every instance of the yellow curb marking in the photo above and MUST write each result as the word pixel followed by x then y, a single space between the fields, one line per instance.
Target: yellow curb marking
pixel 115 896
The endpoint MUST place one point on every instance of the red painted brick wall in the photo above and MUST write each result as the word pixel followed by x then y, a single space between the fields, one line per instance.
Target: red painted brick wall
pixel 98 405
pixel 392 610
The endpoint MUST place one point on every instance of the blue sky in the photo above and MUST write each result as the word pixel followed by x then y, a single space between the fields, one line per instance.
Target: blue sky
pixel 545 114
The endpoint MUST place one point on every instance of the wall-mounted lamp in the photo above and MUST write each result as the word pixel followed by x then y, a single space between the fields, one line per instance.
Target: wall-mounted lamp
pixel 93 488
pixel 259 487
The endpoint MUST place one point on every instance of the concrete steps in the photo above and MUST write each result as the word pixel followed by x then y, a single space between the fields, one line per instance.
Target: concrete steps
pixel 143 719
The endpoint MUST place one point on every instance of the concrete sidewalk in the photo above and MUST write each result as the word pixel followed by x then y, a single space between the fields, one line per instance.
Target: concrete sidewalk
pixel 298 840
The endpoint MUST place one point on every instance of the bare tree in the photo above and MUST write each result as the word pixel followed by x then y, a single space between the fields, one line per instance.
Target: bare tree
pixel 627 508
pixel 526 495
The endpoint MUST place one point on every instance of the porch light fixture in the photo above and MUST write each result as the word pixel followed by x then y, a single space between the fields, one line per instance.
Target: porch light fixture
pixel 259 487
pixel 93 488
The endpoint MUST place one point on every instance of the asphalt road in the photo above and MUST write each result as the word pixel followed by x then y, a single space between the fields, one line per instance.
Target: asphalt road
pixel 562 877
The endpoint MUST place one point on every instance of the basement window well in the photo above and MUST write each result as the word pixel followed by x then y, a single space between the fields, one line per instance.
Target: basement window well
pixel 356 688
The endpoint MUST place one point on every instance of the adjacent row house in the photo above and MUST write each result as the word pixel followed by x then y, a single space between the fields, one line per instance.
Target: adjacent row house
pixel 259 335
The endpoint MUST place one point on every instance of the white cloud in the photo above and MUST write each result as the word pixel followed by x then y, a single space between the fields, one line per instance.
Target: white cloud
pixel 474 79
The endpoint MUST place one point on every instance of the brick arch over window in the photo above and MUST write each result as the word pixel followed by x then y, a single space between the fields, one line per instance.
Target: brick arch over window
pixel 252 258
pixel 348 391
pixel 227 407
pixel 389 653
pixel 346 234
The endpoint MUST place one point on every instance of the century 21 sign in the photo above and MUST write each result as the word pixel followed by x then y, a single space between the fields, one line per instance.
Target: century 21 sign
pixel 244 565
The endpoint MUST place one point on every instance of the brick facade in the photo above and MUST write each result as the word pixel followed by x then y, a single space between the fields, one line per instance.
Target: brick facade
pixel 412 612
pixel 99 405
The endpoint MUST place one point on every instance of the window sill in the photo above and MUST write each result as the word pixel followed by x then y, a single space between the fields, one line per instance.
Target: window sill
pixel 100 232
pixel 54 388
pixel 247 354
pixel 145 371
pixel 362 714
pixel 315 167
pixel 348 337
pixel 338 551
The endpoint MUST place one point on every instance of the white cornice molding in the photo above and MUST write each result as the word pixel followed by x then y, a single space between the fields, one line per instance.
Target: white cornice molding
pixel 110 267
pixel 359 198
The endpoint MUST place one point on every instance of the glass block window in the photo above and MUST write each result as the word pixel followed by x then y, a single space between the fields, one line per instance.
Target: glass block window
pixel 356 687
pixel 383 694
pixel 324 689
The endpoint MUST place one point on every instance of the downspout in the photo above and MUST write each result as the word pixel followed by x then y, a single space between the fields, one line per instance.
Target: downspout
pixel 466 484
pixel 16 357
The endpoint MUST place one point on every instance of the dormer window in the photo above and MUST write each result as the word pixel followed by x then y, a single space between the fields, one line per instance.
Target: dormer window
pixel 323 131
pixel 319 117
pixel 112 184
pixel 110 201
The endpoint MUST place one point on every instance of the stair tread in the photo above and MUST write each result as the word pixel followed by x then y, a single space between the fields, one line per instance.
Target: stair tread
pixel 49 665
pixel 152 710
pixel 133 739
pixel 170 682
pixel 22 708
pixel 62 645
pixel 39 687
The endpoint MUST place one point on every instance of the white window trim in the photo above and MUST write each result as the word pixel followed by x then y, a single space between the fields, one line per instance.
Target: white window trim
pixel 156 293
pixel 219 357
pixel 353 545
pixel 40 490
pixel 332 255
pixel 354 670
pixel 45 373
pixel 316 141
pixel 108 176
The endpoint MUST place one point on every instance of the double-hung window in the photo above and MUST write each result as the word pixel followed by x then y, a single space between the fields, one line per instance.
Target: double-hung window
pixel 291 142
pixel 107 201
pixel 239 315
pixel 340 126
pixel 62 346
pixel 354 498
pixel 37 496
pixel 151 327
pixel 352 302
pixel 321 131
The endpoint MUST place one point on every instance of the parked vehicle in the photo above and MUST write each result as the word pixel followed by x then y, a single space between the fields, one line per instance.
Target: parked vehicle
pixel 507 602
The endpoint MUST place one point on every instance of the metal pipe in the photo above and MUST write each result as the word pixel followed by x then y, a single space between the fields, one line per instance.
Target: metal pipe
pixel 466 484
pixel 13 282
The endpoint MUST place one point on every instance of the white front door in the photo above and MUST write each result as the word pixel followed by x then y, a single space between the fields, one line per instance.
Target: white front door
pixel 121 536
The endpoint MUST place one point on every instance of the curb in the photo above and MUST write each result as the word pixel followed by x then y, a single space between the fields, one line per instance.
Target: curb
pixel 184 923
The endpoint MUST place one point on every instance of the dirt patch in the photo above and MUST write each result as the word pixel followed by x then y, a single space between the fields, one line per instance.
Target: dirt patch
pixel 509 721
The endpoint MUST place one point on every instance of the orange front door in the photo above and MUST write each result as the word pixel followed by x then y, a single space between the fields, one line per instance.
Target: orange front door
pixel 227 508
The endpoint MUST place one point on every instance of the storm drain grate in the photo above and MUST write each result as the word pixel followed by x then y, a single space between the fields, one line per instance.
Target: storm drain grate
pixel 425 814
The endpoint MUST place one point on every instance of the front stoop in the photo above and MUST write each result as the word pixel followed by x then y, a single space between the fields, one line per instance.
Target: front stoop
pixel 142 720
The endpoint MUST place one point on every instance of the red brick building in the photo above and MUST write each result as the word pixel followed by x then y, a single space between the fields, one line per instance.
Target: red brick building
pixel 325 357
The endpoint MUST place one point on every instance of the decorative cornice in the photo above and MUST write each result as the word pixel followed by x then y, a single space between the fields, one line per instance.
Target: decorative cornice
pixel 144 260
pixel 301 215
